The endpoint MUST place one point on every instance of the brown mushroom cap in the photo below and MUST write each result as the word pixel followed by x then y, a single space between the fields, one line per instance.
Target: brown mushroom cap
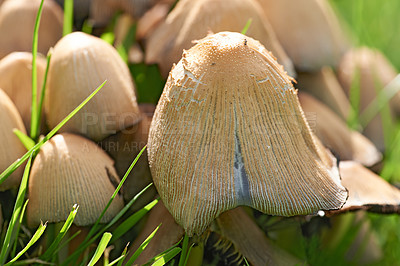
pixel 367 191
pixel 11 147
pixel 80 63
pixel 193 20
pixel 16 81
pixel 334 133
pixel 308 31
pixel 374 72
pixel 17 20
pixel 68 170
pixel 228 130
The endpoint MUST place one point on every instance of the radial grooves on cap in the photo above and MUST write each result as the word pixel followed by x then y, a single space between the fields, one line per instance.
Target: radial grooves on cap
pixel 223 90
pixel 71 170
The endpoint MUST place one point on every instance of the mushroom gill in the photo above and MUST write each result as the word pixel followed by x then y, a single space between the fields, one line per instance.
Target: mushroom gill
pixel 228 130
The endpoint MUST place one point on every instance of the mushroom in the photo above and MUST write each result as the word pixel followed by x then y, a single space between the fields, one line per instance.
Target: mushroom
pixel 228 130
pixel 324 86
pixel 371 71
pixel 16 81
pixel 11 147
pixel 68 170
pixel 17 19
pixel 334 133
pixel 308 30
pixel 192 20
pixel 79 64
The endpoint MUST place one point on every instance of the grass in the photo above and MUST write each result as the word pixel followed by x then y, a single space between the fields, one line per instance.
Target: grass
pixel 373 24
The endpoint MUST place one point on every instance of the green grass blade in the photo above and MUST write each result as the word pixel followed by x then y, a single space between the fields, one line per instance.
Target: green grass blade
pixel 33 240
pixel 16 214
pixel 6 173
pixel 34 112
pixel 247 26
pixel 94 227
pixel 42 93
pixel 132 220
pixel 100 248
pixel 184 253
pixel 68 16
pixel 167 257
pixel 50 252
pixel 117 260
pixel 123 255
pixel 108 37
pixel 157 257
pixel 25 140
pixel 87 242
pixel 21 217
pixel 142 247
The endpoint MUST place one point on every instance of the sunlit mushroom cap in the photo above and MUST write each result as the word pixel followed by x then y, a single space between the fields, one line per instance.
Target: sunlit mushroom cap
pixel 228 130
pixel 193 20
pixel 308 30
pixel 17 20
pixel 68 170
pixel 80 63
pixel 16 81
pixel 11 147
pixel 334 133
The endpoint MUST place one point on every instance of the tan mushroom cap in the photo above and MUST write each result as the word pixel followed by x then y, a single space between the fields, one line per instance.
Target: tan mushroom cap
pixel 374 72
pixel 193 20
pixel 17 20
pixel 367 191
pixel 80 63
pixel 16 81
pixel 11 147
pixel 228 130
pixel 334 133
pixel 308 31
pixel 68 170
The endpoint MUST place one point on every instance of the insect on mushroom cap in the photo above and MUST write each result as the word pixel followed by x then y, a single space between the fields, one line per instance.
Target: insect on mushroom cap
pixel 228 130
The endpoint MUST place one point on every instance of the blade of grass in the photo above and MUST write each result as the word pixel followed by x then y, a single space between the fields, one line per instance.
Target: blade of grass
pixel 123 255
pixel 34 111
pixel 73 257
pixel 132 220
pixel 68 16
pixel 6 173
pixel 33 240
pixel 100 248
pixel 50 252
pixel 155 258
pixel 42 93
pixel 247 26
pixel 184 253
pixel 94 227
pixel 167 257
pixel 142 246
pixel 21 217
pixel 16 214
pixel 25 140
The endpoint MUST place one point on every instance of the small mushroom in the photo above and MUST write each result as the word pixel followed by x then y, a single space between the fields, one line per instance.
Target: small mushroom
pixel 324 86
pixel 16 81
pixel 228 130
pixel 334 133
pixel 308 30
pixel 11 147
pixel 68 170
pixel 17 20
pixel 79 64
pixel 371 71
pixel 192 20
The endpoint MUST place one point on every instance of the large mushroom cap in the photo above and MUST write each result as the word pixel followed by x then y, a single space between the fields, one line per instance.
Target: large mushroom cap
pixel 228 130
pixel 80 63
pixel 17 20
pixel 192 20
pixel 16 81
pixel 11 147
pixel 69 170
